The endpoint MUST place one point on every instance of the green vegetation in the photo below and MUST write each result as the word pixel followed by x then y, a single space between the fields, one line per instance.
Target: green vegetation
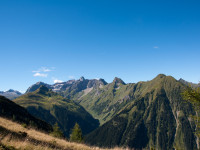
pixel 51 107
pixel 106 101
pixel 155 116
pixel 24 125
pixel 56 131
pixel 192 95
pixel 76 135
pixel 5 147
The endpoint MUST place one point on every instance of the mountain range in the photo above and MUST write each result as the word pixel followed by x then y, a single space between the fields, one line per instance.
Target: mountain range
pixel 143 115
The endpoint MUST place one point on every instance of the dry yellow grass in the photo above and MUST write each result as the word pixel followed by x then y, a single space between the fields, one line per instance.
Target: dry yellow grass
pixel 35 140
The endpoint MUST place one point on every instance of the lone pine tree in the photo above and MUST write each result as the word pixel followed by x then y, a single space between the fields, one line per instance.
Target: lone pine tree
pixel 76 135
pixel 56 131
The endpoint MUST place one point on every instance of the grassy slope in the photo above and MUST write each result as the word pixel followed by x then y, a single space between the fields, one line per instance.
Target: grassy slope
pixel 51 107
pixel 103 103
pixel 14 136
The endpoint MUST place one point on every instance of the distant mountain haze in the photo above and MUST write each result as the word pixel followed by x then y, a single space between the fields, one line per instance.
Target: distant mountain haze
pixel 11 94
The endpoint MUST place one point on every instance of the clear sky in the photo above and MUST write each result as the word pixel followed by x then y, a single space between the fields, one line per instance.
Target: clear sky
pixel 52 40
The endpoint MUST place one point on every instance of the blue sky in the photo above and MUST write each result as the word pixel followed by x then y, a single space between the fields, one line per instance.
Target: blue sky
pixel 48 40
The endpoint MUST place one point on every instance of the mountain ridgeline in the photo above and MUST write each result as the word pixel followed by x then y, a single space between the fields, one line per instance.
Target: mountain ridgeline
pixel 53 108
pixel 139 115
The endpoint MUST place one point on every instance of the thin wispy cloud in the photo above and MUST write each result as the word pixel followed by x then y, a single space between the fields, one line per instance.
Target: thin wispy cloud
pixel 44 69
pixel 42 72
pixel 71 77
pixel 37 74
pixel 155 47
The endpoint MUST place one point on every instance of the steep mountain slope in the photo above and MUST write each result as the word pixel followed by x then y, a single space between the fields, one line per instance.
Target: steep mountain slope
pixel 104 102
pixel 81 87
pixel 156 117
pixel 51 107
pixel 10 110
pixel 11 94
pixel 100 99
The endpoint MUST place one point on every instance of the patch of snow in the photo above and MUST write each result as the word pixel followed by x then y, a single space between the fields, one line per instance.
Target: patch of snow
pixel 57 87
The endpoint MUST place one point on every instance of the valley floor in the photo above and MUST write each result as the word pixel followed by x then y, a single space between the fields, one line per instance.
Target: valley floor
pixel 14 136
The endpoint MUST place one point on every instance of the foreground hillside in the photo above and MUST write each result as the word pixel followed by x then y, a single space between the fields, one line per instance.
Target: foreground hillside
pixel 9 109
pixel 53 108
pixel 15 137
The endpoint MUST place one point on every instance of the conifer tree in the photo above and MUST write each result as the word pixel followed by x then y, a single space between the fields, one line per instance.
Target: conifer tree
pixel 56 131
pixel 76 135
